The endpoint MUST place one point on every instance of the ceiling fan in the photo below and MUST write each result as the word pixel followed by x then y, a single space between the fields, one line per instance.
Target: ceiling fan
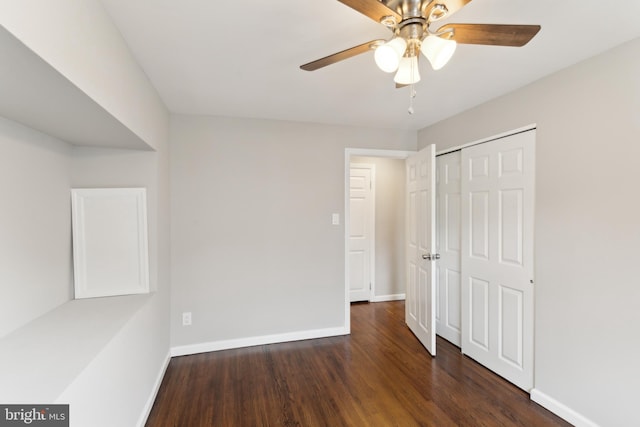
pixel 411 23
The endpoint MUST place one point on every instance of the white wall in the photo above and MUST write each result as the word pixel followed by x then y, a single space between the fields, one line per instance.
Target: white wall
pixel 36 174
pixel 35 226
pixel 253 249
pixel 389 226
pixel 79 40
pixel 587 227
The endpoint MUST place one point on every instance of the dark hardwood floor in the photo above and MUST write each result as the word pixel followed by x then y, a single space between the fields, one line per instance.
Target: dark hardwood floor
pixel 380 375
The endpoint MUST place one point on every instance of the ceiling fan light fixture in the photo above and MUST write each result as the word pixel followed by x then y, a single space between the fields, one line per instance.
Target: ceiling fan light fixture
pixel 408 73
pixel 388 55
pixel 438 50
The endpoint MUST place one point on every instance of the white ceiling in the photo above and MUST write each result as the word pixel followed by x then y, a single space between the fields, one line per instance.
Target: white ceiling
pixel 242 58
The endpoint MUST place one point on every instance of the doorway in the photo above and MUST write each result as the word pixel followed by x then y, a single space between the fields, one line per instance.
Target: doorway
pixel 388 273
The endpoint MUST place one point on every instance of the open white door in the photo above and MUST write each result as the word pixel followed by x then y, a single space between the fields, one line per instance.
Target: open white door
pixel 420 305
pixel 497 256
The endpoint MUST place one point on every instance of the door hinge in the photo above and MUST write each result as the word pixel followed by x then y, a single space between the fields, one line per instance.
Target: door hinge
pixel 369 286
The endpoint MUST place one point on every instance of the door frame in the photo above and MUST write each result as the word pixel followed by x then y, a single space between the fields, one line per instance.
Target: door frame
pixel 372 226
pixel 348 153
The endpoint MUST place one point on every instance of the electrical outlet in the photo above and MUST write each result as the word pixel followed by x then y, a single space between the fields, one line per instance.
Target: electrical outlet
pixel 186 318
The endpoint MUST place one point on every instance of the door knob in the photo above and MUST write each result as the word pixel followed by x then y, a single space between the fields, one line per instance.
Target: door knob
pixel 431 257
pixel 426 256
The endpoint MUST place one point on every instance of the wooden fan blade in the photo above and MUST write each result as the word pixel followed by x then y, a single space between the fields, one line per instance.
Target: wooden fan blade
pixel 373 9
pixel 347 53
pixel 492 34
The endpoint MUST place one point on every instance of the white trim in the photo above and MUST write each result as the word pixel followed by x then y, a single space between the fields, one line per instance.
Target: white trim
pixel 393 297
pixel 348 153
pixel 487 139
pixel 370 152
pixel 560 409
pixel 154 392
pixel 206 347
pixel 371 230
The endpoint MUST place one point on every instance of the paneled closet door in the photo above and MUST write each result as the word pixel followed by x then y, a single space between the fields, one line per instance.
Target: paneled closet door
pixel 497 195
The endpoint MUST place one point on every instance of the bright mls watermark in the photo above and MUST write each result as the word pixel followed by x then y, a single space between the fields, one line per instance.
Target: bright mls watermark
pixel 34 415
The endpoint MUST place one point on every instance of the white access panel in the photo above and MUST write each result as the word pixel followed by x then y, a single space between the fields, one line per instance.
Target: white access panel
pixel 110 247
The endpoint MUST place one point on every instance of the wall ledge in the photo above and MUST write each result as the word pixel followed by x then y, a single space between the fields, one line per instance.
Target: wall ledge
pixel 39 360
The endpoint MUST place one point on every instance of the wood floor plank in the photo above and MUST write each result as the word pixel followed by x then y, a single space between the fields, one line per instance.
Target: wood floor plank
pixel 380 375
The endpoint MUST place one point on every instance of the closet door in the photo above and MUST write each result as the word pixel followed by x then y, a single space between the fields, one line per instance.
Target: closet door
pixel 448 277
pixel 497 196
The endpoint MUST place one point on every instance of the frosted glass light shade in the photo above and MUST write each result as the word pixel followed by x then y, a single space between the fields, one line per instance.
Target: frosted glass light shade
pixel 438 50
pixel 388 55
pixel 407 71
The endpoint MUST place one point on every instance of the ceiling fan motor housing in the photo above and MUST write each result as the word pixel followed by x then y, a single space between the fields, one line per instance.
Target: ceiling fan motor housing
pixel 413 30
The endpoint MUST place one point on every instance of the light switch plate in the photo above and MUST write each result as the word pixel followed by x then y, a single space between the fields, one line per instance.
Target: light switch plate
pixel 335 219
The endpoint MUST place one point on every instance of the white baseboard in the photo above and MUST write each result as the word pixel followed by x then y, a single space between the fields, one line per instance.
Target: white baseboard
pixel 260 340
pixel 561 410
pixel 383 298
pixel 152 397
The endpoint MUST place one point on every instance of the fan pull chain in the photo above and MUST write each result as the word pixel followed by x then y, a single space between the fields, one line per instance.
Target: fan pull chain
pixel 412 94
